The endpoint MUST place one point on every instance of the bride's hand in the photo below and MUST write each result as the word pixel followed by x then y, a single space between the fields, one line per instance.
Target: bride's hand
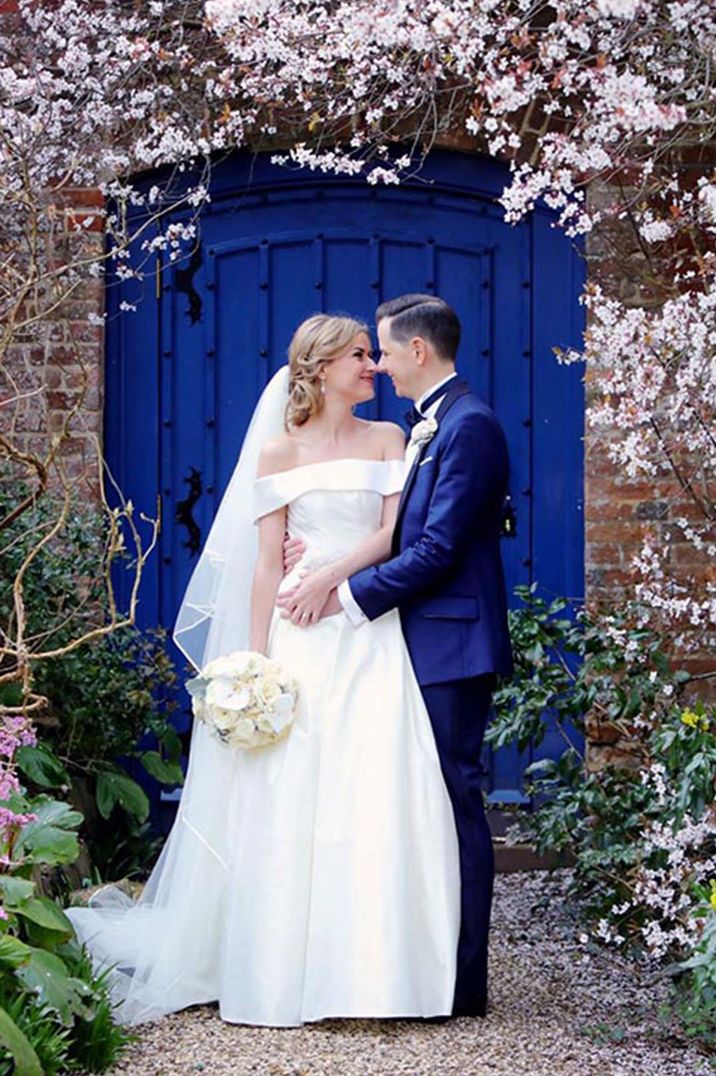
pixel 304 603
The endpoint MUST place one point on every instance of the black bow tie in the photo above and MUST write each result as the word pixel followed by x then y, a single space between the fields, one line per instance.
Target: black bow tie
pixel 413 416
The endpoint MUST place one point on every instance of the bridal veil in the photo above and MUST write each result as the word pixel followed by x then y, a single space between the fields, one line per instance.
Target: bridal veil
pixel 213 618
pixel 160 946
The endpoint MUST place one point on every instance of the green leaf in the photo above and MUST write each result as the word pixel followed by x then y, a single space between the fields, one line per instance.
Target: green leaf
pixel 46 914
pixel 27 1063
pixel 55 813
pixel 117 788
pixel 10 695
pixel 42 767
pixel 169 773
pixel 52 845
pixel 544 766
pixel 15 890
pixel 51 837
pixel 171 743
pixel 13 952
pixel 46 975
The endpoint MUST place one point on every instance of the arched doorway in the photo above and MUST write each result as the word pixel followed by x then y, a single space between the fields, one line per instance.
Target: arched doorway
pixel 185 370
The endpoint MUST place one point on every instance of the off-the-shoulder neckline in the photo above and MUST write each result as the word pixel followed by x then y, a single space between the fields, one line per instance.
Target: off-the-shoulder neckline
pixel 323 463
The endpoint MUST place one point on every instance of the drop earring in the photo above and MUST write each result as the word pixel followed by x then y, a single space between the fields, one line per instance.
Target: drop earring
pixel 323 386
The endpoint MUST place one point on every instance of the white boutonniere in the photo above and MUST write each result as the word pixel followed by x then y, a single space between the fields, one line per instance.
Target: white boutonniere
pixel 423 431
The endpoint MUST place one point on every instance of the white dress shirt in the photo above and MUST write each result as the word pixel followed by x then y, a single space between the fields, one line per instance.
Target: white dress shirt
pixel 345 596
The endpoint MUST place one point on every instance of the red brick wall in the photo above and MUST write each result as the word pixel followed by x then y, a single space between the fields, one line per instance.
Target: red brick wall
pixel 58 360
pixel 619 513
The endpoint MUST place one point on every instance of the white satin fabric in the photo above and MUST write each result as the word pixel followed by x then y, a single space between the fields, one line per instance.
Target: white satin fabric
pixel 317 877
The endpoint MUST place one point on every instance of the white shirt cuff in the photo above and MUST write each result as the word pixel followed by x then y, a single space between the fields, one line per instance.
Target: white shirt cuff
pixel 350 606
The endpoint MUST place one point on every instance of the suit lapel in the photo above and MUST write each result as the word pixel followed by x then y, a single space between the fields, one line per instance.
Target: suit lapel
pixel 407 487
pixel 454 392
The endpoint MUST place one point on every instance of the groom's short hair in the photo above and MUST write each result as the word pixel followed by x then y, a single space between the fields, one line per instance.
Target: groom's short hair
pixel 423 315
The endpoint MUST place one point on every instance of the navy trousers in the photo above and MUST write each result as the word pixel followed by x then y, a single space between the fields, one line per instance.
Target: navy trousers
pixel 459 711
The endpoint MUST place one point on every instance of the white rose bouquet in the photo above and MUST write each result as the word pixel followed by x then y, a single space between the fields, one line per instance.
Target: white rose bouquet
pixel 244 699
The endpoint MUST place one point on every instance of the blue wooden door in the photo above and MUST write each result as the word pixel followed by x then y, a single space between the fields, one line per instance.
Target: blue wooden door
pixel 185 370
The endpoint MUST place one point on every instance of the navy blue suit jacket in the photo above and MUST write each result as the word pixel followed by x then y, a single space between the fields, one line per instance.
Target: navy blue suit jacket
pixel 445 575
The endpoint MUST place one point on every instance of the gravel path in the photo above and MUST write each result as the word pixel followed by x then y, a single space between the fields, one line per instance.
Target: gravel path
pixel 554 1011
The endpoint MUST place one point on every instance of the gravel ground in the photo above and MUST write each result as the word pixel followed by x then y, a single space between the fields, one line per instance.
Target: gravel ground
pixel 554 1011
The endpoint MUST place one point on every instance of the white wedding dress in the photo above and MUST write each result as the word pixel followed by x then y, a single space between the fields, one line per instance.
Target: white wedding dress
pixel 317 877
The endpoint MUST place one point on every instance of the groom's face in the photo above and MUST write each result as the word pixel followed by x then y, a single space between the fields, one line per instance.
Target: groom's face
pixel 396 360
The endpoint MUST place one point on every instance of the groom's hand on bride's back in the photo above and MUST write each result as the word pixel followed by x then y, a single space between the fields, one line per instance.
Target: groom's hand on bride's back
pixel 293 550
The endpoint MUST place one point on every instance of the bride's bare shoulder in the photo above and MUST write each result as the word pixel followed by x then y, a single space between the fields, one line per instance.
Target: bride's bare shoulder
pixel 390 438
pixel 276 455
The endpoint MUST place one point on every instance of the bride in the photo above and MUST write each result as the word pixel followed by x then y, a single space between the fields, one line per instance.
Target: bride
pixel 316 877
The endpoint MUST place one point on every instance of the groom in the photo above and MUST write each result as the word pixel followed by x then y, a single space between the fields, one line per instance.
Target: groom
pixel 445 577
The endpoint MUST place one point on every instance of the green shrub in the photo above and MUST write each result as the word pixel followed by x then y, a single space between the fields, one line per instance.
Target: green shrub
pixel 640 823
pixel 97 1042
pixel 105 697
pixel 45 1037
pixel 695 978
pixel 50 999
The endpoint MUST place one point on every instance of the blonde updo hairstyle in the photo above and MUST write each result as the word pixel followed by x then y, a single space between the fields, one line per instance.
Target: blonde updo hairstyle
pixel 315 343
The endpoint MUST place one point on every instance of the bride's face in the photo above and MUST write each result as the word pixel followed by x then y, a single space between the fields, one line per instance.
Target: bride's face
pixel 351 373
